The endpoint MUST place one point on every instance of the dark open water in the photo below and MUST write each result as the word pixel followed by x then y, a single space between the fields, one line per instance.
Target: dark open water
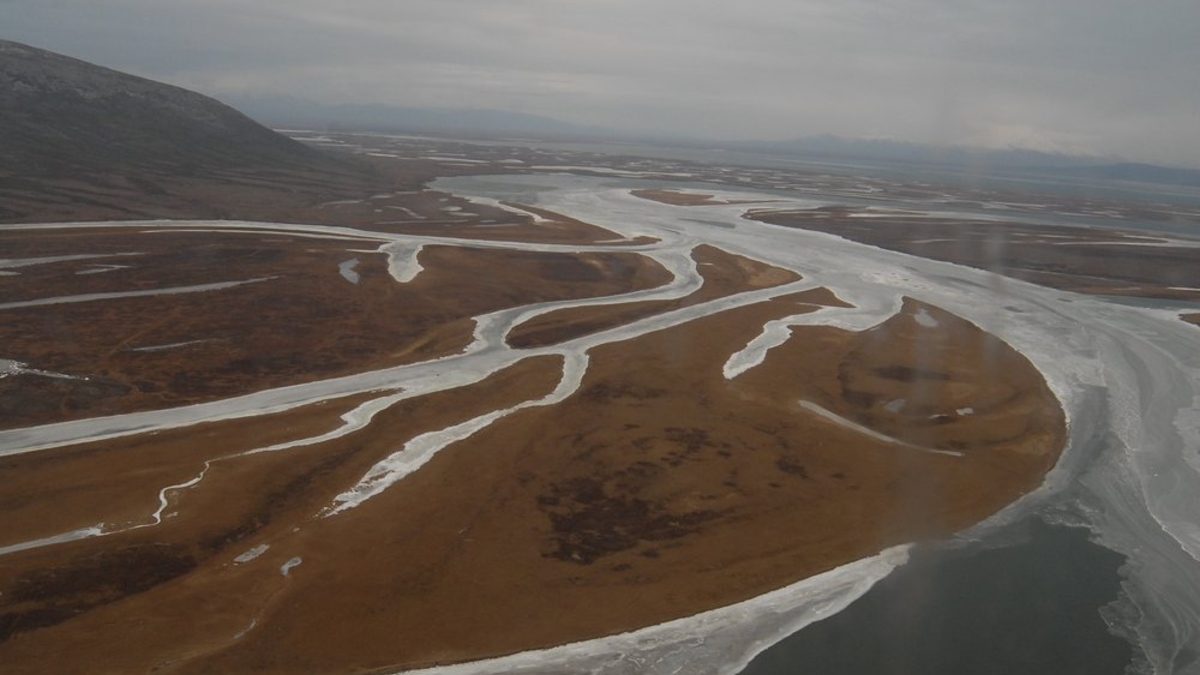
pixel 1030 608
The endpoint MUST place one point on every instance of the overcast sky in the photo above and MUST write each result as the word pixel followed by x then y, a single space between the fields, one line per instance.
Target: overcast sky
pixel 1089 76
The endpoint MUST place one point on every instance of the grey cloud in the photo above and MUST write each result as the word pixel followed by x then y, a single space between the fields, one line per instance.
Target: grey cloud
pixel 1092 75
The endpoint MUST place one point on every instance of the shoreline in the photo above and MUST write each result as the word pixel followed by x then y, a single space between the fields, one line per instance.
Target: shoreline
pixel 297 580
pixel 788 607
pixel 1099 361
pixel 941 592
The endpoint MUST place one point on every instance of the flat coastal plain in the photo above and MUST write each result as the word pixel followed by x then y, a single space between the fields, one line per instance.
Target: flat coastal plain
pixel 438 430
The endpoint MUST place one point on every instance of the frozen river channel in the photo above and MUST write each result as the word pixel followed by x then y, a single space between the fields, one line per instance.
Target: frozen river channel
pixel 1127 377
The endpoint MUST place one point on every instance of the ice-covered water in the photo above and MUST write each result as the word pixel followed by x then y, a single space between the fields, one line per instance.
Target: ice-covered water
pixel 1128 379
pixel 292 563
pixel 347 269
pixel 252 553
pixel 96 297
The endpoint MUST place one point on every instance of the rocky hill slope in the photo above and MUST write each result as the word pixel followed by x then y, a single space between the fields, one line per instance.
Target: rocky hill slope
pixel 80 135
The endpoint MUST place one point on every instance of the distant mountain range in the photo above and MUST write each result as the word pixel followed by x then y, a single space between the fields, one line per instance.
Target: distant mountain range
pixel 1140 173
pixel 62 116
pixel 833 148
pixel 827 145
pixel 290 112
pixel 64 119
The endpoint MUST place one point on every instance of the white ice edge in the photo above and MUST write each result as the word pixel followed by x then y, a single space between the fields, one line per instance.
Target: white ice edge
pixel 408 212
pixel 347 269
pixel 1157 243
pixel 168 346
pixel 73 535
pixel 538 218
pixel 420 449
pixel 10 367
pixel 868 313
pixel 720 641
pixel 424 377
pixel 607 171
pixel 355 420
pixel 252 553
pixel 103 530
pixel 12 263
pixel 164 494
pixel 867 431
pixel 456 160
pixel 93 297
pixel 473 365
pixel 1127 378
pixel 286 568
pixel 403 265
pixel 1146 391
pixel 101 269
pixel 925 319
pixel 493 328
